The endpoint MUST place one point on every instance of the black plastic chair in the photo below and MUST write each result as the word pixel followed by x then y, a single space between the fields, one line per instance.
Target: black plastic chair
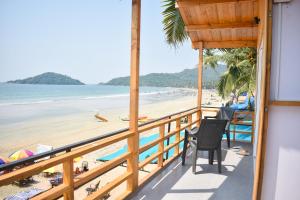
pixel 206 138
pixel 225 113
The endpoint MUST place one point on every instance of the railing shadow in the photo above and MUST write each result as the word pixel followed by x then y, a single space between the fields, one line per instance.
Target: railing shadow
pixel 177 181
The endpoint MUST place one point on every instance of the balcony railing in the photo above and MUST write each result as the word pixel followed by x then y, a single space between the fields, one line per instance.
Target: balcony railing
pixel 66 155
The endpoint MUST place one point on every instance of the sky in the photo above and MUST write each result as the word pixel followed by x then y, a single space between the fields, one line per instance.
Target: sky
pixel 86 39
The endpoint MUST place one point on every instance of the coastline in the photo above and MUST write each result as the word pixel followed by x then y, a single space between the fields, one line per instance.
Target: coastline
pixel 65 127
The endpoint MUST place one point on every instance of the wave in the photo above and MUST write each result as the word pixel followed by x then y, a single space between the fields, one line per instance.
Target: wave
pixel 83 98
pixel 26 103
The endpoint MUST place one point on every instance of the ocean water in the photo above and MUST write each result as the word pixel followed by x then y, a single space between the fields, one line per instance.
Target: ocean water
pixel 16 94
pixel 21 102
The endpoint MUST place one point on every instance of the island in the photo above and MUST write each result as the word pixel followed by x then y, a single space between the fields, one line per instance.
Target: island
pixel 49 78
pixel 184 79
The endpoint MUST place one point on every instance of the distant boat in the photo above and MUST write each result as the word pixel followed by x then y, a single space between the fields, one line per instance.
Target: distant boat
pixel 143 118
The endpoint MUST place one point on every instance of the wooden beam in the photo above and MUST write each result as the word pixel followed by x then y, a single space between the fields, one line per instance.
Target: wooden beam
pixel 177 135
pixel 285 103
pixel 161 145
pixel 191 3
pixel 224 44
pixel 265 95
pixel 133 141
pixel 200 27
pixel 200 74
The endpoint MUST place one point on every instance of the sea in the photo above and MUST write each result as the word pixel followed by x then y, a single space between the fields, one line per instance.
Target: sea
pixel 21 102
pixel 16 94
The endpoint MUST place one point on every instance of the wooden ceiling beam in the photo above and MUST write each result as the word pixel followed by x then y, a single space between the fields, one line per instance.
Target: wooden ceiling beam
pixel 191 28
pixel 225 44
pixel 189 3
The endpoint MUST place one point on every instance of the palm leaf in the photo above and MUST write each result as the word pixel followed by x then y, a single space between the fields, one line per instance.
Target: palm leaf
pixel 173 24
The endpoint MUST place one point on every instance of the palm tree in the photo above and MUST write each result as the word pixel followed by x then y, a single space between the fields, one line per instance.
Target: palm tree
pixel 241 70
pixel 241 62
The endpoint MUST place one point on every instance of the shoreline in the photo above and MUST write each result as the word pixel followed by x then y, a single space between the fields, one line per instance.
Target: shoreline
pixel 60 129
pixel 63 129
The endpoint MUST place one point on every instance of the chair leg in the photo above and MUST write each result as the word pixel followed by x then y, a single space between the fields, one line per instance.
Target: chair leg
pixel 211 157
pixel 228 138
pixel 185 142
pixel 194 156
pixel 219 155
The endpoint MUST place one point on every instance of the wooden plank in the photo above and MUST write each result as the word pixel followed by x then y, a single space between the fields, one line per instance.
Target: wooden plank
pixel 38 167
pixel 53 193
pixel 149 159
pixel 200 77
pixel 108 187
pixel 190 122
pixel 167 148
pixel 253 127
pixel 133 142
pixel 68 179
pixel 265 98
pixel 192 3
pixel 166 121
pixel 99 170
pixel 200 27
pixel 285 103
pixel 177 135
pixel 161 145
pixel 224 44
pixel 244 132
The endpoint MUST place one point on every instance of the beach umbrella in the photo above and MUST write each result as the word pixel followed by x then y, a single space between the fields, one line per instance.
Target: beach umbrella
pixel 23 153
pixel 77 159
pixel 3 160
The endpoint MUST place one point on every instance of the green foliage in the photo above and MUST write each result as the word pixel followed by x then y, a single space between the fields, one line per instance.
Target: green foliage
pixel 241 70
pixel 173 24
pixel 187 78
pixel 49 78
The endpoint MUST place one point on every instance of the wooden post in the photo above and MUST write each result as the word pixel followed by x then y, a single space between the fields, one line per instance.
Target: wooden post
pixel 161 145
pixel 68 179
pixel 177 136
pixel 252 127
pixel 234 127
pixel 200 69
pixel 190 121
pixel 133 141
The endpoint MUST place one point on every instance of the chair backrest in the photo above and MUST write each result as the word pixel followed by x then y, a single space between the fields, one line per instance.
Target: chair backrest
pixel 210 133
pixel 225 113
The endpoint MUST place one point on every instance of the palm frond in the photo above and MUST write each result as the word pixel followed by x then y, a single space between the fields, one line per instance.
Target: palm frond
pixel 173 24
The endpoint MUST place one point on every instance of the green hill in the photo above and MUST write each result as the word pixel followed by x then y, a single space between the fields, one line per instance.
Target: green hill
pixel 186 78
pixel 49 78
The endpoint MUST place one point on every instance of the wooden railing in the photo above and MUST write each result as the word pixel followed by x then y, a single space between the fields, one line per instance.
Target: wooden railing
pixel 236 121
pixel 71 183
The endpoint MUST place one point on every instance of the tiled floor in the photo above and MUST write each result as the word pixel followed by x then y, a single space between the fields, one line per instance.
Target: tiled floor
pixel 178 182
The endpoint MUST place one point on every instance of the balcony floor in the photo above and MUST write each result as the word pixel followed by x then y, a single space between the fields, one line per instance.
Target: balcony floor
pixel 178 182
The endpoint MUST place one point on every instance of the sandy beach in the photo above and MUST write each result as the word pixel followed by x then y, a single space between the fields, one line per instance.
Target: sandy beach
pixel 66 128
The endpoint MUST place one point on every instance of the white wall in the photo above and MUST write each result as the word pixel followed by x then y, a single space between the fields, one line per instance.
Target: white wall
pixel 282 164
pixel 285 78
